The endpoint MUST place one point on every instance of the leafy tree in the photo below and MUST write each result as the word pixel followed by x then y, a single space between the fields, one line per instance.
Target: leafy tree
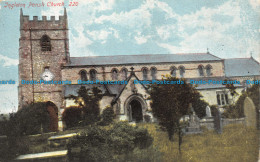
pixel 31 119
pixel 88 100
pixel 237 110
pixel 171 101
pixel 232 89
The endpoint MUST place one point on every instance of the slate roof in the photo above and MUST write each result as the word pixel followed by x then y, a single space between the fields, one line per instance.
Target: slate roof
pixel 72 89
pixel 141 59
pixel 241 67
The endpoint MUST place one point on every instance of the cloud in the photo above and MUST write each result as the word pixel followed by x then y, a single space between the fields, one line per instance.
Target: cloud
pixel 8 61
pixel 102 35
pixel 141 39
pixel 81 40
pixel 53 11
pixel 224 29
pixel 255 4
pixel 140 17
pixel 9 98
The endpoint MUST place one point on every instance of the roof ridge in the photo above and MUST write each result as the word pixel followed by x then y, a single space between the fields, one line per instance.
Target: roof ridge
pixel 238 58
pixel 149 55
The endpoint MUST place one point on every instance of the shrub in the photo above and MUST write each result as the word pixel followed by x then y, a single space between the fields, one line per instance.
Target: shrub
pixel 72 116
pixel 147 118
pixel 237 110
pixel 231 111
pixel 99 144
pixel 29 120
pixel 107 116
pixel 214 110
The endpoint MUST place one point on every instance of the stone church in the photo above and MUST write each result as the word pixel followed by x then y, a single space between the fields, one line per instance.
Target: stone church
pixel 44 49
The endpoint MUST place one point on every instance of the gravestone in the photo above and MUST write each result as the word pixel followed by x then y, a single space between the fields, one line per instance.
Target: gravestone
pixel 250 113
pixel 208 112
pixel 194 124
pixel 217 122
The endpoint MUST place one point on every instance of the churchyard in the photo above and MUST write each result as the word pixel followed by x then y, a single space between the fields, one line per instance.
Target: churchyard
pixel 236 143
pixel 212 138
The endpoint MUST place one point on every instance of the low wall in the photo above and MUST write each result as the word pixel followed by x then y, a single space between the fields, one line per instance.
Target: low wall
pixel 209 122
pixel 233 121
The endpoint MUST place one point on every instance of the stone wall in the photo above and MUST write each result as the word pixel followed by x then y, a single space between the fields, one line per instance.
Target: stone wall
pixel 209 123
pixel 33 61
pixel 105 72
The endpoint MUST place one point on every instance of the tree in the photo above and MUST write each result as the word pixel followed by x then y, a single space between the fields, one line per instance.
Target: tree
pixel 171 101
pixel 88 100
pixel 237 110
pixel 31 119
pixel 232 89
pixel 107 116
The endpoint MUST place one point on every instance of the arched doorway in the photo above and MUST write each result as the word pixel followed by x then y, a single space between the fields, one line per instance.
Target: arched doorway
pixel 135 113
pixel 53 114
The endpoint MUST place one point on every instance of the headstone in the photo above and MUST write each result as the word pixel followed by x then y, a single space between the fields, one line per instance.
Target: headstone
pixel 208 112
pixel 218 122
pixel 250 113
pixel 194 124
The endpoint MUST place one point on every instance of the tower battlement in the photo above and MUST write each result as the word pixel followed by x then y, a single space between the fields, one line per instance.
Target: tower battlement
pixel 36 23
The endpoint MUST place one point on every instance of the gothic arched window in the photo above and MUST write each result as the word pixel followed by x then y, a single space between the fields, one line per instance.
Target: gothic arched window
pixel 114 74
pixel 124 73
pixel 182 71
pixel 208 70
pixel 200 69
pixel 93 75
pixel 45 43
pixel 145 73
pixel 83 75
pixel 153 73
pixel 218 99
pixel 173 71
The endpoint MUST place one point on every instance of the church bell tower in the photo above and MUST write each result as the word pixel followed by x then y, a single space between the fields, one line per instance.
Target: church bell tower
pixel 43 48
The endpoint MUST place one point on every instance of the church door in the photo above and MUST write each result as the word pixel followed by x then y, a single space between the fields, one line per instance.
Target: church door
pixel 53 112
pixel 136 111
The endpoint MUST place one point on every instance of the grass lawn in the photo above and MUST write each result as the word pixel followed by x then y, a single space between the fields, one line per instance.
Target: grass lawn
pixel 237 144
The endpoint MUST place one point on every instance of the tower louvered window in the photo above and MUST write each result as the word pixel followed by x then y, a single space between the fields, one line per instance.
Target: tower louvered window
pixel 46 43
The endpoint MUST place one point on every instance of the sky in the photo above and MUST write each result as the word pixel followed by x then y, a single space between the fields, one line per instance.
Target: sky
pixel 227 28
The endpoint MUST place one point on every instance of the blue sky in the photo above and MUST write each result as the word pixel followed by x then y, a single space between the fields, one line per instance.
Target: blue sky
pixel 228 28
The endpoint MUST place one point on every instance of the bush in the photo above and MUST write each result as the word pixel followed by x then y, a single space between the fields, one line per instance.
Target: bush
pixel 72 116
pixel 147 118
pixel 237 110
pixel 214 110
pixel 99 144
pixel 29 120
pixel 107 116
pixel 231 111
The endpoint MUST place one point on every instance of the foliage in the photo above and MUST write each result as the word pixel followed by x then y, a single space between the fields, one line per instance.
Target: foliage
pixel 99 144
pixel 214 110
pixel 72 116
pixel 29 120
pixel 237 110
pixel 107 116
pixel 171 101
pixel 231 88
pixel 147 118
pixel 89 101
pixel 231 111
pixel 4 126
